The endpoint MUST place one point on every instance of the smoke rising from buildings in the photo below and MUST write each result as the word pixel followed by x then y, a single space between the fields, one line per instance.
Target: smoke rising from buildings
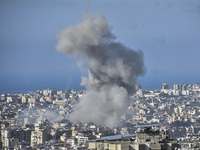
pixel 112 67
pixel 37 115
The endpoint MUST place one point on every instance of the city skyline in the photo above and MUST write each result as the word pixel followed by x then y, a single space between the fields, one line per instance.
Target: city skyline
pixel 42 119
pixel 166 32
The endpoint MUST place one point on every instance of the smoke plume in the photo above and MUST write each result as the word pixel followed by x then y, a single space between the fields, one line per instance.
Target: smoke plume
pixel 112 68
pixel 37 115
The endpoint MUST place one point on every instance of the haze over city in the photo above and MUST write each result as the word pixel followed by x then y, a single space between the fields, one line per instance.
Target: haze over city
pixel 167 32
pixel 93 75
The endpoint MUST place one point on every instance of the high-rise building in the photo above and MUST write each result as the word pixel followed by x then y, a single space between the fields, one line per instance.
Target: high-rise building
pixel 38 137
pixel 164 86
pixel 180 87
pixel 176 87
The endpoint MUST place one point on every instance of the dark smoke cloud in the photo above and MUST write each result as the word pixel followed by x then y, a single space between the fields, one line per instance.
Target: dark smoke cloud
pixel 113 69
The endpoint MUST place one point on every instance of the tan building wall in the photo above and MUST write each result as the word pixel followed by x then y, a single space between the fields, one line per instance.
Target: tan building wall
pixel 24 99
pixel 31 100
pixel 38 137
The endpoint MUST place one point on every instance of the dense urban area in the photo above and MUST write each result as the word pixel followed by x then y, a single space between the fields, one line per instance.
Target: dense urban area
pixel 39 119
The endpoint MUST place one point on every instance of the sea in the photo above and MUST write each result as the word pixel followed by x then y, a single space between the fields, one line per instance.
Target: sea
pixel 27 84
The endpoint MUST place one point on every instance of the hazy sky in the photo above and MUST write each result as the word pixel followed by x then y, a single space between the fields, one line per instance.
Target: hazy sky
pixel 168 33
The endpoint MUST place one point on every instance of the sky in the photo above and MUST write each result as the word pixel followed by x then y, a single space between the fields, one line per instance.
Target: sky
pixel 168 33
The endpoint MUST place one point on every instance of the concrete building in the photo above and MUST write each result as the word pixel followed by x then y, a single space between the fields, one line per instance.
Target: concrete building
pixel 24 99
pixel 148 137
pixel 9 138
pixel 176 87
pixel 31 100
pixel 164 86
pixel 38 137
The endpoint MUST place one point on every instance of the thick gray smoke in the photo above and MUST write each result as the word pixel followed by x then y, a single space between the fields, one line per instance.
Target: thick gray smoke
pixel 113 69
